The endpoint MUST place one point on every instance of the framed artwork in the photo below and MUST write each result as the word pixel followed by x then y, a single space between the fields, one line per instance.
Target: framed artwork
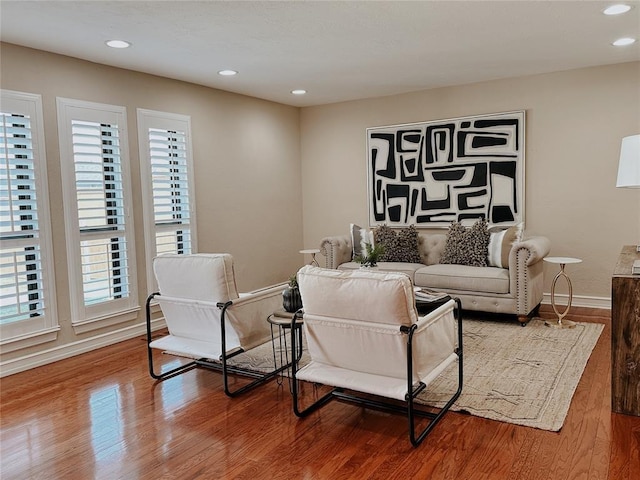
pixel 429 174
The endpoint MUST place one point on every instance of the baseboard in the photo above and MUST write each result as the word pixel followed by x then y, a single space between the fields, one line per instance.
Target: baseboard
pixel 578 301
pixel 68 350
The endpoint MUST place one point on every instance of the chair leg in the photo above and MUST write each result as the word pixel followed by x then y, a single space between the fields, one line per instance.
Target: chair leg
pixel 170 373
pixel 296 354
pixel 435 418
pixel 301 413
pixel 259 378
pixel 417 439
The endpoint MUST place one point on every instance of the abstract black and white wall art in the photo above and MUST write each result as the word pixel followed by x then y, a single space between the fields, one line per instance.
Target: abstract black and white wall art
pixel 429 174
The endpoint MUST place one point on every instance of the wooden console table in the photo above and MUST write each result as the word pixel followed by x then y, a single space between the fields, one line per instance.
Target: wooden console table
pixel 625 335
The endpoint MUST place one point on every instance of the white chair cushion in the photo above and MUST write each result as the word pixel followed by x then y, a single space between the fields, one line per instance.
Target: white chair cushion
pixel 201 276
pixel 379 297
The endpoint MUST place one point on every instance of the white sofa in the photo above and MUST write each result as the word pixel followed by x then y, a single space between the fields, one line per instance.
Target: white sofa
pixel 516 290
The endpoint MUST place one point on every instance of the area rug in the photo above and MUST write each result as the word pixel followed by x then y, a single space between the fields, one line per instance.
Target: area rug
pixel 526 376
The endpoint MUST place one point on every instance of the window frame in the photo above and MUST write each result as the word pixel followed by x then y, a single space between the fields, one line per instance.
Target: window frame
pixel 166 121
pixel 43 328
pixel 101 314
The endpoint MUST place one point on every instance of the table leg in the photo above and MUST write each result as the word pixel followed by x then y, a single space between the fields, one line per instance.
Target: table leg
pixel 273 348
pixel 560 323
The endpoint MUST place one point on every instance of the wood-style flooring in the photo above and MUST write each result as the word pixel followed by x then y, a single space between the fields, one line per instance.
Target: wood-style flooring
pixel 100 416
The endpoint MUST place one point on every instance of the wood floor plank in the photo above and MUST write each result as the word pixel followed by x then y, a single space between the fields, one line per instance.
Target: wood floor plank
pixel 100 416
pixel 599 459
pixel 574 459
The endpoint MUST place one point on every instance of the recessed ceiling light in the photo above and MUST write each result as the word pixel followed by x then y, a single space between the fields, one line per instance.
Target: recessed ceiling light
pixel 616 9
pixel 621 42
pixel 118 44
pixel 227 73
pixel 298 92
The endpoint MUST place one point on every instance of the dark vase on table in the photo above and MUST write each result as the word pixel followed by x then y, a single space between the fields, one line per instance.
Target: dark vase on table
pixel 291 299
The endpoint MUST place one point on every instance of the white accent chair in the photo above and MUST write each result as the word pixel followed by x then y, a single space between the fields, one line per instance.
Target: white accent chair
pixel 207 319
pixel 364 335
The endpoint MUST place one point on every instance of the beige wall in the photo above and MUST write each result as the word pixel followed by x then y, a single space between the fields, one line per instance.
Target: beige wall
pixel 246 160
pixel 575 121
pixel 272 179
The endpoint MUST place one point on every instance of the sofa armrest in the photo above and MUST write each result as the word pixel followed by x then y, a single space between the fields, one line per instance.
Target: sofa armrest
pixel 536 249
pixel 526 272
pixel 336 250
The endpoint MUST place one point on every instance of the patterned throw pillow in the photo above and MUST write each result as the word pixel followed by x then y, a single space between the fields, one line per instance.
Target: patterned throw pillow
pixel 452 248
pixel 500 243
pixel 400 246
pixel 467 246
pixel 359 236
pixel 354 230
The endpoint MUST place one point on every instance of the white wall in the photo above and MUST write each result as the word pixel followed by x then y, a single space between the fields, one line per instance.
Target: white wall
pixel 575 121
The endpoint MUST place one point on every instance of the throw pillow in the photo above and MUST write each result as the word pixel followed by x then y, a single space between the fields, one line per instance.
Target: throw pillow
pixel 453 246
pixel 467 246
pixel 400 246
pixel 384 236
pixel 500 243
pixel 359 236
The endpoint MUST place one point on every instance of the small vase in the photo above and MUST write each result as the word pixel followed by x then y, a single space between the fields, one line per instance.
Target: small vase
pixel 291 299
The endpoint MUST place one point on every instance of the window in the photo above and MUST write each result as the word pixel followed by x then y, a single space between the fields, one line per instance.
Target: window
pixel 97 195
pixel 27 293
pixel 167 179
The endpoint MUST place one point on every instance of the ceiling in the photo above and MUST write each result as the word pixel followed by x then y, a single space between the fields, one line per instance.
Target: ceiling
pixel 336 50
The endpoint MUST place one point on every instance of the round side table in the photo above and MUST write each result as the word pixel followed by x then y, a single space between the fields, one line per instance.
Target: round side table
pixel 312 252
pixel 562 261
pixel 281 319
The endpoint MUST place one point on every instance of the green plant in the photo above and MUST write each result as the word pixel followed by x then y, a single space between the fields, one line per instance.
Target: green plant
pixel 370 256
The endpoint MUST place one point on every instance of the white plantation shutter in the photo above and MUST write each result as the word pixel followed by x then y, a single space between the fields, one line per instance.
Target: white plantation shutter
pixel 94 157
pixel 170 186
pixel 27 299
pixel 100 205
pixel 21 269
pixel 167 179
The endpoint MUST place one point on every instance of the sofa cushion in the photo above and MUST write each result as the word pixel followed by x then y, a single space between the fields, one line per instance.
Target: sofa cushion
pixel 400 245
pixel 408 269
pixel 462 277
pixel 467 246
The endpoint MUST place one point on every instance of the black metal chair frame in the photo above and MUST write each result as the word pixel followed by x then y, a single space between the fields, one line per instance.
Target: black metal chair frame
pixel 222 365
pixel 410 410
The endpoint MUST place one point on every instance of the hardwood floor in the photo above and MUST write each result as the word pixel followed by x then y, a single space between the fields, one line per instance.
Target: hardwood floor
pixel 100 415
